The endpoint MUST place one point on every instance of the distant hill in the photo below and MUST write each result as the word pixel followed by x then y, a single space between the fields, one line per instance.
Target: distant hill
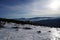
pixel 34 19
pixel 49 22
pixel 41 21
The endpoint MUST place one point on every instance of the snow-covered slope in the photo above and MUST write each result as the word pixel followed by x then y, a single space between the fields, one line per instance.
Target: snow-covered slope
pixel 35 33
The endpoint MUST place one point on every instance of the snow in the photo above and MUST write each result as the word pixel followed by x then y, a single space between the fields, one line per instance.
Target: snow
pixel 9 33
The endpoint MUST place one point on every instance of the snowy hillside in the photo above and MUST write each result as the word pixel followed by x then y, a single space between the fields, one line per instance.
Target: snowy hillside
pixel 13 31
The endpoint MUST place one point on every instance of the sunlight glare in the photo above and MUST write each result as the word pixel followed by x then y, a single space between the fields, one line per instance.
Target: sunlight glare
pixel 54 4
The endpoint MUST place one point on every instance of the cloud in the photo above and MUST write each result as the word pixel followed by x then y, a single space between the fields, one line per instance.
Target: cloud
pixel 25 8
pixel 15 2
pixel 12 7
pixel 41 9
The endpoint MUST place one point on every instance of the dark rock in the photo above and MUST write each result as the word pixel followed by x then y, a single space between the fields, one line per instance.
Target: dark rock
pixel 49 31
pixel 15 27
pixel 38 31
pixel 28 28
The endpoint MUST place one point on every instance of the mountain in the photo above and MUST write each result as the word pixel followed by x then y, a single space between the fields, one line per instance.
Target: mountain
pixel 49 22
pixel 43 21
pixel 34 19
pixel 40 21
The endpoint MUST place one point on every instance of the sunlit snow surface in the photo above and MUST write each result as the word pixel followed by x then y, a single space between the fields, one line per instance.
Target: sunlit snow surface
pixel 47 33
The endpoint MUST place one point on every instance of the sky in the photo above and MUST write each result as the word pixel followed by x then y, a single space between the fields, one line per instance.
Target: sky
pixel 29 8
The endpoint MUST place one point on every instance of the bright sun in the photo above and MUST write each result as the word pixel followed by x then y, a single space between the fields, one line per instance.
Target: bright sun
pixel 54 4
